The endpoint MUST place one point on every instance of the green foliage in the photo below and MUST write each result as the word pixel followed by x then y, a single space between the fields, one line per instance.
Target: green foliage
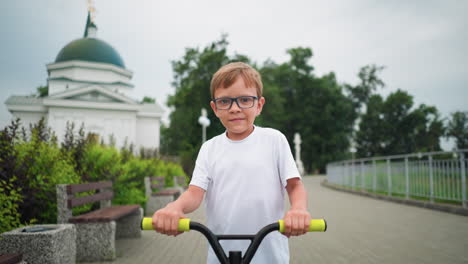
pixel 102 163
pixel 313 106
pixel 10 187
pixel 393 127
pixel 37 165
pixel 31 167
pixel 295 102
pixel 42 91
pixel 192 76
pixel 74 145
pixel 47 166
pixel 458 129
pixel 369 83
pixel 148 99
pixel 107 163
pixel 10 197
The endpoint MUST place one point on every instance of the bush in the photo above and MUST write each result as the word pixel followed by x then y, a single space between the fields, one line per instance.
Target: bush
pixel 46 166
pixel 32 165
pixel 10 197
pixel 129 187
pixel 101 163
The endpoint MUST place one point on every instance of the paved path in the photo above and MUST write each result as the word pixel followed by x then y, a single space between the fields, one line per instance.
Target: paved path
pixel 360 230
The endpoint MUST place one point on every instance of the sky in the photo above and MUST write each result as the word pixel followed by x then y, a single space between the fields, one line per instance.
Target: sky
pixel 422 44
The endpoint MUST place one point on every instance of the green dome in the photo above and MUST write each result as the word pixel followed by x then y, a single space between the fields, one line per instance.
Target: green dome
pixel 90 49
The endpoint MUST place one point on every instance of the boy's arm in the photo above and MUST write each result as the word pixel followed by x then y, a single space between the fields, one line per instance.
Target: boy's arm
pixel 297 219
pixel 166 220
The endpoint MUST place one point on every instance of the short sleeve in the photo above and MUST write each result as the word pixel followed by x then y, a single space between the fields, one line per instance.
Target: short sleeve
pixel 286 165
pixel 200 176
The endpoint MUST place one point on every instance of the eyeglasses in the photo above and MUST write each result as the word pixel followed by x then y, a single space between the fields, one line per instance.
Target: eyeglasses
pixel 243 102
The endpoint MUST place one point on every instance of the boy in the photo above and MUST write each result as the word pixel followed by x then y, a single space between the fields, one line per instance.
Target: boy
pixel 244 172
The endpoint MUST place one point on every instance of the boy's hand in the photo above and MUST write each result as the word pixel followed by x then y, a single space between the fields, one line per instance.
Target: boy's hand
pixel 296 222
pixel 166 220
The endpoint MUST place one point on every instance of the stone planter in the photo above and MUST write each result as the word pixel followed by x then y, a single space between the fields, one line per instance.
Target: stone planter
pixel 55 244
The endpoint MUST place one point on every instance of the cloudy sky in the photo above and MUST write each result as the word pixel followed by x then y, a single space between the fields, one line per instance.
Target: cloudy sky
pixel 422 44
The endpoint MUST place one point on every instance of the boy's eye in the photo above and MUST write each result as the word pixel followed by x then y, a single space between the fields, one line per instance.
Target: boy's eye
pixel 224 101
pixel 245 99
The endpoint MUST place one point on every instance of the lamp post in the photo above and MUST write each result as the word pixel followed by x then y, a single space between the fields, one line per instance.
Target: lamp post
pixel 297 145
pixel 204 122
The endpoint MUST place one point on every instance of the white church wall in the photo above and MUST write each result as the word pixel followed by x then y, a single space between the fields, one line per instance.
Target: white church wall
pixel 27 118
pixel 56 86
pixel 120 124
pixel 147 132
pixel 89 74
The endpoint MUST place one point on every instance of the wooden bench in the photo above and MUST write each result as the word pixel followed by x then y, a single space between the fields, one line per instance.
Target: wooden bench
pixel 97 230
pixel 157 195
pixel 181 182
pixel 11 258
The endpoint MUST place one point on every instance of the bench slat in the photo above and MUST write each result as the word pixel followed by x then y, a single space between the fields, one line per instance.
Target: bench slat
pixel 166 192
pixel 158 178
pixel 90 199
pixel 157 186
pixel 10 258
pixel 105 214
pixel 74 188
pixel 181 180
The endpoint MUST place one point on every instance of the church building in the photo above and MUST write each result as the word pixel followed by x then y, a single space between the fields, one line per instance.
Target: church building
pixel 89 84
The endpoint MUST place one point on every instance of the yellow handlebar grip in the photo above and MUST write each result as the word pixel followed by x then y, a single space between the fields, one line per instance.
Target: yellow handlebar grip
pixel 316 225
pixel 184 225
pixel 147 224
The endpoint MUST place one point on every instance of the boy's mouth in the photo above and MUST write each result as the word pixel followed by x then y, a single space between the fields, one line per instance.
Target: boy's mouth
pixel 236 119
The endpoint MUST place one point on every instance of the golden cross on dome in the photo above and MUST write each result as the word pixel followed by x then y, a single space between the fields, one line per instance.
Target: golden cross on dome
pixel 91 9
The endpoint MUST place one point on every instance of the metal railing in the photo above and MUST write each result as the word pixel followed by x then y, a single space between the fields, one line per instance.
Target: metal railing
pixel 436 176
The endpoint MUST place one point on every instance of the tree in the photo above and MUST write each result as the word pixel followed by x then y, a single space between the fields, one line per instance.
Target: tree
pixel 296 101
pixel 314 106
pixel 42 91
pixel 371 133
pixel 392 126
pixel 148 99
pixel 192 77
pixel 368 85
pixel 458 129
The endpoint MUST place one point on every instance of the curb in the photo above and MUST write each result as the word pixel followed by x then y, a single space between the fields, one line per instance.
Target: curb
pixel 434 206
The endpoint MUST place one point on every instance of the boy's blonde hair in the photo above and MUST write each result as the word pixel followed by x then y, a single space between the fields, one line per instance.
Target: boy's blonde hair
pixel 228 74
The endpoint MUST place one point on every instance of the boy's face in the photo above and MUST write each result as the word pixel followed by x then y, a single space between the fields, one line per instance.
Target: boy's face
pixel 238 122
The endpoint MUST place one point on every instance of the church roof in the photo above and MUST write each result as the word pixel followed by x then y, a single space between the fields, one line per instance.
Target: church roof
pixel 92 50
pixel 147 107
pixel 23 100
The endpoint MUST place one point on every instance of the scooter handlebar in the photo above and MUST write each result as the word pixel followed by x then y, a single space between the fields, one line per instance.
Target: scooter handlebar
pixel 316 225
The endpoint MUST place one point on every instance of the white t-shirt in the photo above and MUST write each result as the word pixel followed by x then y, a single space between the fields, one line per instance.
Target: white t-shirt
pixel 245 184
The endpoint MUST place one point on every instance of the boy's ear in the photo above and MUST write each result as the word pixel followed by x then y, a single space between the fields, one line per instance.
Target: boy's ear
pixel 260 104
pixel 213 106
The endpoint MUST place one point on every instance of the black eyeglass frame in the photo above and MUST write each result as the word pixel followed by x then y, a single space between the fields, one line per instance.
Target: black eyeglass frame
pixel 234 99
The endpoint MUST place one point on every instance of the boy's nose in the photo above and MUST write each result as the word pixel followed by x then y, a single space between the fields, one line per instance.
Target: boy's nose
pixel 234 107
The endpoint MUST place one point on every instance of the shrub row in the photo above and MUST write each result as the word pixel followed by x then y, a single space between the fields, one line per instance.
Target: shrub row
pixel 32 163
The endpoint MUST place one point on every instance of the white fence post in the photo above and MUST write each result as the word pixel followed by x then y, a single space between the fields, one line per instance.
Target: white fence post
pixel 353 176
pixel 406 178
pixel 389 178
pixel 463 179
pixel 431 179
pixel 374 176
pixel 362 176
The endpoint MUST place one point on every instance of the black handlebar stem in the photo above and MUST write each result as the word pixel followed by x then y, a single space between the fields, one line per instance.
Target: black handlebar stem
pixel 234 257
pixel 257 240
pixel 212 239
